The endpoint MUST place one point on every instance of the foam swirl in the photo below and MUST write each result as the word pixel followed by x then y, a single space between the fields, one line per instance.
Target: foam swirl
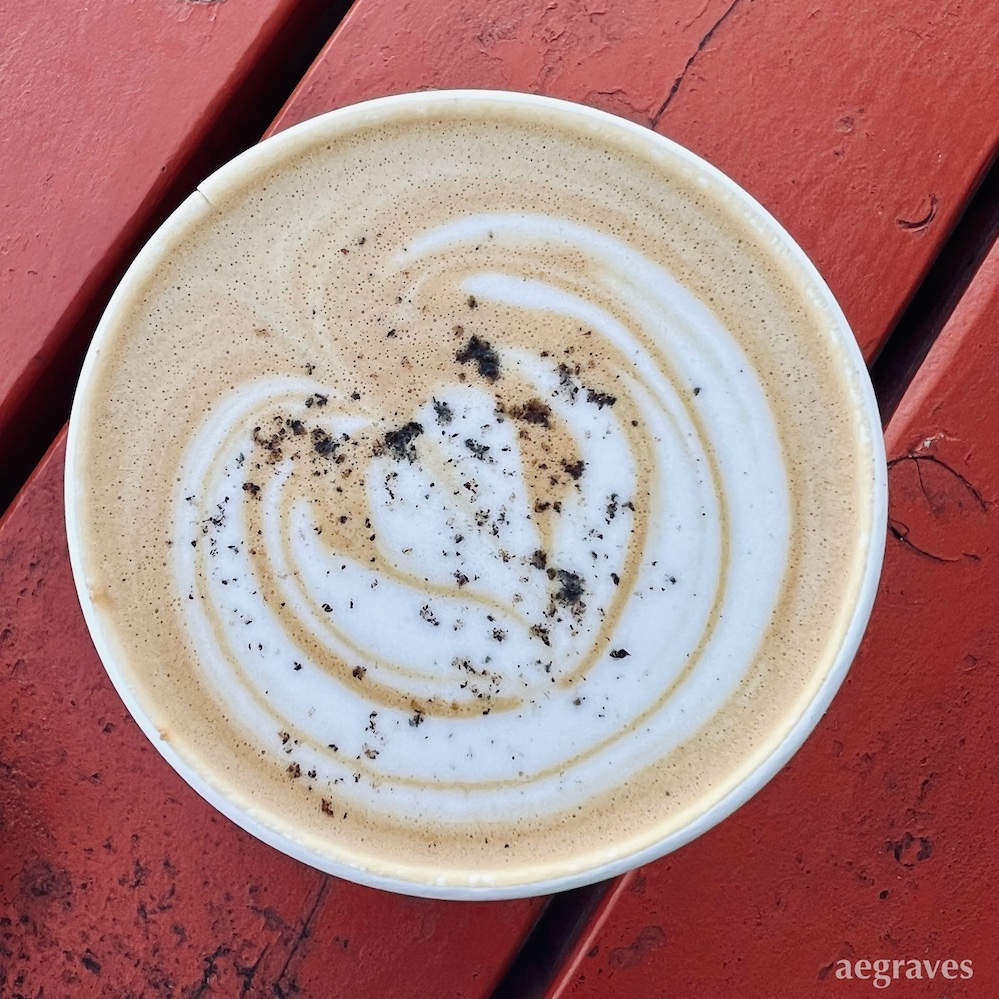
pixel 420 610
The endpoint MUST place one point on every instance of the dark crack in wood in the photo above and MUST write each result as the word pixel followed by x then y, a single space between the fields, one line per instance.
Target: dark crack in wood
pixel 922 223
pixel 900 531
pixel 678 82
pixel 284 988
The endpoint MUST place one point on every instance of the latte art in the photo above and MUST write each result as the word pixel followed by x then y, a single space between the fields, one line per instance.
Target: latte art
pixel 474 495
pixel 511 599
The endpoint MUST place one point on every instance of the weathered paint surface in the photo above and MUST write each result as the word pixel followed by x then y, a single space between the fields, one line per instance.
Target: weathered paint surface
pixel 103 107
pixel 876 842
pixel 862 127
pixel 117 880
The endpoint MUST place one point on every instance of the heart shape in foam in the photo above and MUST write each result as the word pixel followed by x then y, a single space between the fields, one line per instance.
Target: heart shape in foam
pixel 453 562
pixel 459 527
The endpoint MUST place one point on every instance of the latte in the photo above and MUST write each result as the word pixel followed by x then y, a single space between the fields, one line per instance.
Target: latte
pixel 474 494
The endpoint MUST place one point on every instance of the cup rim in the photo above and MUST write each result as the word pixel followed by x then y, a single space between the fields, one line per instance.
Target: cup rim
pixel 385 875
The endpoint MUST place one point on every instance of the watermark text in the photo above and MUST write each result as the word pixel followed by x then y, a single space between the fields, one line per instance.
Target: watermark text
pixel 883 972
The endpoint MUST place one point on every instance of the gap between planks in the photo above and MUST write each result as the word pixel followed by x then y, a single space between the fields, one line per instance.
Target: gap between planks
pixel 239 124
pixel 938 293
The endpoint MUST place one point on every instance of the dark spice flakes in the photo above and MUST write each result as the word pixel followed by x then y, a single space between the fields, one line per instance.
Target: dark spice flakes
pixel 572 588
pixel 600 399
pixel 400 442
pixel 323 444
pixel 482 354
pixel 444 413
pixel 532 411
pixel 479 450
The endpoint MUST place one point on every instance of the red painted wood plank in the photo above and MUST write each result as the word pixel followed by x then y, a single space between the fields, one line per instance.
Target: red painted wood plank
pixel 862 127
pixel 106 109
pixel 116 879
pixel 876 842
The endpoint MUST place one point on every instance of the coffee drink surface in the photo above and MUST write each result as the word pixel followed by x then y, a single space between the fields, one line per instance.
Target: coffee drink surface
pixel 472 493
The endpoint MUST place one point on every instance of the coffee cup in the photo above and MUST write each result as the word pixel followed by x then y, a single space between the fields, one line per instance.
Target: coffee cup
pixel 473 494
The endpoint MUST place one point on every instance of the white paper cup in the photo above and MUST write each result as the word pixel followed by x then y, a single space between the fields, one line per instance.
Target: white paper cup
pixel 733 417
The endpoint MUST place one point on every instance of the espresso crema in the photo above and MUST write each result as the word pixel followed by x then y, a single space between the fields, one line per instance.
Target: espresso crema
pixel 470 494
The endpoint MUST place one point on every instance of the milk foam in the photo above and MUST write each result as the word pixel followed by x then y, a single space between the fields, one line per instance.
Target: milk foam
pixel 467 687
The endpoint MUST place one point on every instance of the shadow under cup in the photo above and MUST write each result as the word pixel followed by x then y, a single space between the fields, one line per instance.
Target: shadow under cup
pixel 474 495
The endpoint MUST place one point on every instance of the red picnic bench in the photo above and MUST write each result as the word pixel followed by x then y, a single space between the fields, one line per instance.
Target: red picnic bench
pixel 866 130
